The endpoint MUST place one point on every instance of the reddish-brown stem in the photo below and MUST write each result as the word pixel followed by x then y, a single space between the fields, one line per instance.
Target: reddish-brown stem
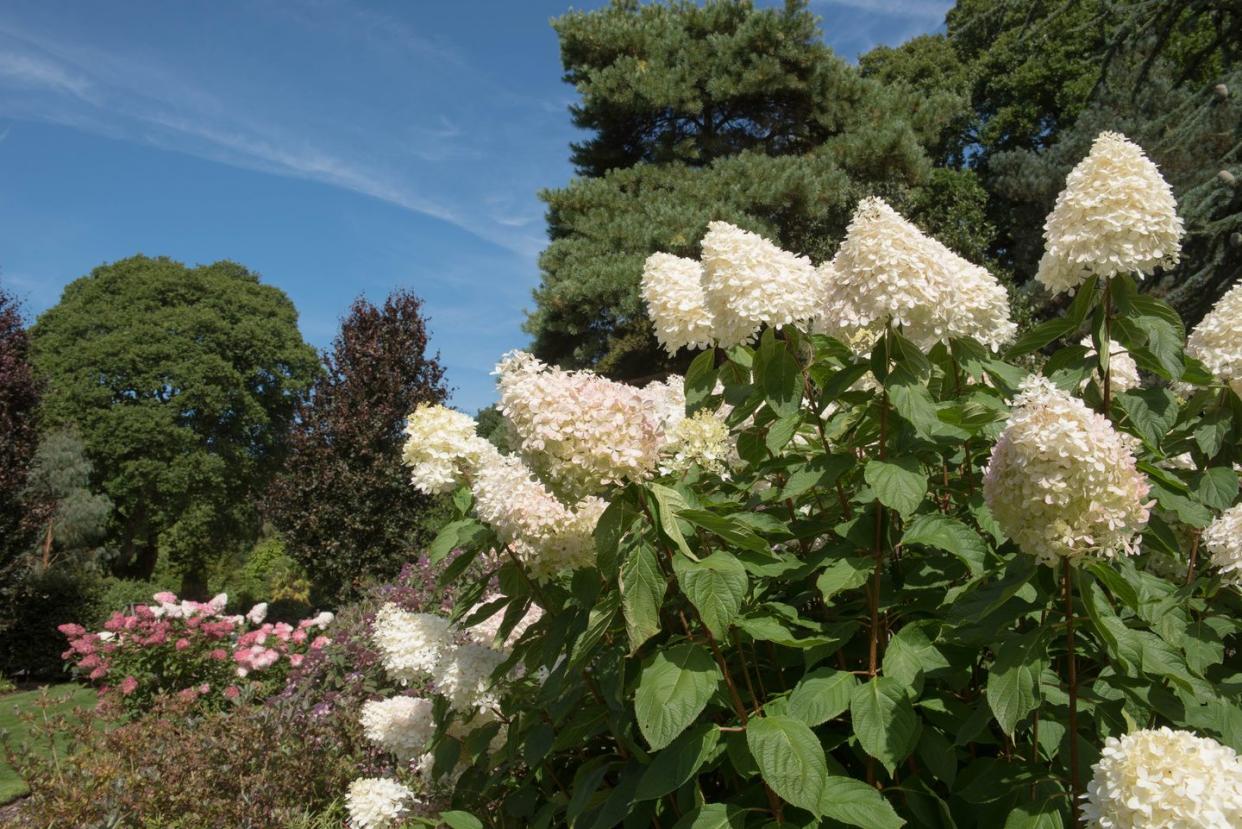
pixel 1194 556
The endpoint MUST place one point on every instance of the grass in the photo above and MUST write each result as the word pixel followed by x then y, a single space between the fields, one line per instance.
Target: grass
pixel 12 706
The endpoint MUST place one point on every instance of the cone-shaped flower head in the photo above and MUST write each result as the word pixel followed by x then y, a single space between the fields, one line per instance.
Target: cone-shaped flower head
pixel 1165 778
pixel 410 644
pixel 1062 483
pixel 1123 373
pixel 377 803
pixel 887 271
pixel 750 282
pixel 402 725
pixel 1217 339
pixel 672 288
pixel 545 534
pixel 579 431
pixel 1116 215
pixel 441 447
pixel 1223 539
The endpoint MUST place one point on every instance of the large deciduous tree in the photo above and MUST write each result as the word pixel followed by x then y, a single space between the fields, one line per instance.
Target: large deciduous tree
pixel 19 399
pixel 721 111
pixel 182 383
pixel 343 502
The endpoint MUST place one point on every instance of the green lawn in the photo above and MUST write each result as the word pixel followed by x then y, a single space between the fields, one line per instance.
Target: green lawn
pixel 12 786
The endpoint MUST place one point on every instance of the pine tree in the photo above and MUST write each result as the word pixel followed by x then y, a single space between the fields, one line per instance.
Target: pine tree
pixel 722 111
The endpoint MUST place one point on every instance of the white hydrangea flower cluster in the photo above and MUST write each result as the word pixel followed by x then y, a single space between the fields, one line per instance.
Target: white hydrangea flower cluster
pixel 1217 339
pixel 441 446
pixel 743 283
pixel 377 803
pixel 402 725
pixel 1165 778
pixel 750 282
pixel 703 439
pixel 1123 372
pixel 464 676
pixel 888 272
pixel 578 431
pixel 411 644
pixel 1116 215
pixel 1062 483
pixel 1223 539
pixel 672 288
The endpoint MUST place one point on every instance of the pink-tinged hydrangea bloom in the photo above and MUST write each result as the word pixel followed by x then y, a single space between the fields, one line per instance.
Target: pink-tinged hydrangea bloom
pixel 1165 778
pixel 128 685
pixel 578 431
pixel 887 271
pixel 672 289
pixel 232 692
pixel 1217 339
pixel 749 282
pixel 1116 215
pixel 547 536
pixel 165 597
pixel 1223 539
pixel 1062 483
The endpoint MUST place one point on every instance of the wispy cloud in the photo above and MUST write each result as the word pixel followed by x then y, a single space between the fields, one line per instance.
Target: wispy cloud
pixel 142 98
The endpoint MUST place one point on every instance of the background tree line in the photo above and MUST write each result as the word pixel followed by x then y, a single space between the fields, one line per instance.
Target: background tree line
pixel 726 111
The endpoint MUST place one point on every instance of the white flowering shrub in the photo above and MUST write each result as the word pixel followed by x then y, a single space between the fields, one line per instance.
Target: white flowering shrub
pixel 878 560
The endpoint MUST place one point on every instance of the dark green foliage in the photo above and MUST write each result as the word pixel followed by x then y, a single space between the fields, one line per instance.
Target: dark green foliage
pixel 19 398
pixel 721 112
pixel 343 502
pixel 34 604
pixel 72 520
pixel 182 383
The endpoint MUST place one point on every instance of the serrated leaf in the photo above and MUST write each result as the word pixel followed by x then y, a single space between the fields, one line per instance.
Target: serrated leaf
pixel 950 535
pixel 716 586
pixel 1217 487
pixel 673 688
pixel 844 574
pixel 676 764
pixel 790 759
pixel 823 470
pixel 884 721
pixel 782 382
pixel 1013 682
pixel 899 483
pixel 855 803
pixel 910 654
pixel 642 592
pixel 821 695
pixel 713 816
pixel 782 431
pixel 700 379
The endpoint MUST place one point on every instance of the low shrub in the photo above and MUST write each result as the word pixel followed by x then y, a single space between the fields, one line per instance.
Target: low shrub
pixel 192 649
pixel 179 767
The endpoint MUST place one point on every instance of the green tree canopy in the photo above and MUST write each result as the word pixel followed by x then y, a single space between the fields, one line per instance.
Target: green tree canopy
pixel 182 383
pixel 72 519
pixel 722 111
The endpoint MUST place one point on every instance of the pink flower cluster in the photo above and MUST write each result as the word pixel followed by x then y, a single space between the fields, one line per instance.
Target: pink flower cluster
pixel 190 648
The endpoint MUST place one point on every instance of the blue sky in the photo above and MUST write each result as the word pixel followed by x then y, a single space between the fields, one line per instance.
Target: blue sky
pixel 336 148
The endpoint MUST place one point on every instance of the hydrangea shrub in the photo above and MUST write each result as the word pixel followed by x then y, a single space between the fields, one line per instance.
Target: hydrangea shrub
pixel 193 649
pixel 911 575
